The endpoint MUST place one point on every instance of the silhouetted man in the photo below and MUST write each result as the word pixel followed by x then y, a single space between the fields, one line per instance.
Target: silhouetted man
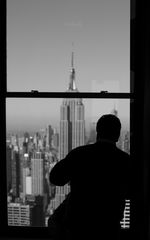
pixel 98 175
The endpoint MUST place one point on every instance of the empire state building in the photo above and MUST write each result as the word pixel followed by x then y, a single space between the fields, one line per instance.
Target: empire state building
pixel 72 131
pixel 72 123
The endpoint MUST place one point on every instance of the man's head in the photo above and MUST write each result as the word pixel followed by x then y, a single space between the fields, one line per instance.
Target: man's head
pixel 108 127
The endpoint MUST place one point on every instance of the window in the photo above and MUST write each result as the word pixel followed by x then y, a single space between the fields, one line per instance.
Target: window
pixel 37 139
pixel 39 86
pixel 39 45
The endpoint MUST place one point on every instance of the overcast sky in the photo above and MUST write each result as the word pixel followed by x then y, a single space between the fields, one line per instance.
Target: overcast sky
pixel 39 44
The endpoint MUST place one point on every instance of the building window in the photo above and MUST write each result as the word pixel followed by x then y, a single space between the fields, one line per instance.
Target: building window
pixel 64 125
pixel 49 110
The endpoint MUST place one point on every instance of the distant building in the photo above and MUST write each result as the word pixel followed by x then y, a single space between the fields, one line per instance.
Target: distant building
pixel 37 206
pixel 30 214
pixel 9 167
pixel 15 171
pixel 27 182
pixel 24 171
pixel 26 142
pixel 126 143
pixel 19 215
pixel 49 136
pixel 37 173
pixel 72 123
pixel 55 140
pixel 72 131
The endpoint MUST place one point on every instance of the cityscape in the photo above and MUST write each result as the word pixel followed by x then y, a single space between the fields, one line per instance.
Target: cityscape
pixel 31 198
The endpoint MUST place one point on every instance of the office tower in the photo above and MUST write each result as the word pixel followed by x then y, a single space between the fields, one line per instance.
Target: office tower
pixel 37 173
pixel 27 181
pixel 49 135
pixel 20 142
pixel 18 214
pixel 30 214
pixel 14 140
pixel 9 167
pixel 126 143
pixel 72 123
pixel 55 139
pixel 72 130
pixel 24 165
pixel 37 210
pixel 37 142
pixel 92 134
pixel 26 142
pixel 15 171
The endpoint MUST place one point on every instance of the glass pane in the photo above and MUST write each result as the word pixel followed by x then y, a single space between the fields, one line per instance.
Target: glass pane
pixel 36 141
pixel 39 45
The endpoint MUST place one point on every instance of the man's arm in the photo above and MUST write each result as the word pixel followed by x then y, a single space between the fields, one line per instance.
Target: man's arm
pixel 61 172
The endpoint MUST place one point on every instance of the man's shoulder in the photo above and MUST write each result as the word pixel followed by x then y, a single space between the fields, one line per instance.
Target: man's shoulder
pixel 82 148
pixel 123 153
pixel 123 158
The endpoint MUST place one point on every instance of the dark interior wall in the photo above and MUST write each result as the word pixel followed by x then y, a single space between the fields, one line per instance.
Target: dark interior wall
pixel 146 121
pixel 141 67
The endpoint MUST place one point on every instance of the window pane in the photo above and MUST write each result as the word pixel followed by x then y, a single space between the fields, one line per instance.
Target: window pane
pixel 39 45
pixel 36 141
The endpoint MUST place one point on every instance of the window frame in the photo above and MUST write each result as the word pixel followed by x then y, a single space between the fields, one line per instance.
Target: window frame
pixel 31 232
pixel 28 232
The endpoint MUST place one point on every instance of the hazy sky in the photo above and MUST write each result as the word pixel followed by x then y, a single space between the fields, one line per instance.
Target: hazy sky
pixel 39 44
pixel 36 114
pixel 40 35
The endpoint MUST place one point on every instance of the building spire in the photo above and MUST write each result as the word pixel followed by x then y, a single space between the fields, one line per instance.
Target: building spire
pixel 72 60
pixel 114 111
pixel 72 85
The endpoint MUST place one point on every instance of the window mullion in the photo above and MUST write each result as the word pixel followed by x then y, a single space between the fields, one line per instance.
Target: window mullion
pixel 105 95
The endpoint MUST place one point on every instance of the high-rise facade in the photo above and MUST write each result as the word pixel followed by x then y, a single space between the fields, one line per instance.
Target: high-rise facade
pixel 15 171
pixel 9 167
pixel 72 123
pixel 19 214
pixel 72 130
pixel 37 174
pixel 49 135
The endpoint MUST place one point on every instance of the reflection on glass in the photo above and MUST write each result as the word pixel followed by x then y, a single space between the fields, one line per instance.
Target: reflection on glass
pixel 39 45
pixel 40 132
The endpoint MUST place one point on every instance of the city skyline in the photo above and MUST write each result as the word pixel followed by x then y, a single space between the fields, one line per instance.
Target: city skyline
pixel 31 158
pixel 60 46
pixel 33 111
pixel 33 120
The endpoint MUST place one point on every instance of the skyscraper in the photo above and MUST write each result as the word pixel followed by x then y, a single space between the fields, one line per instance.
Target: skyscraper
pixel 72 130
pixel 72 123
pixel 19 214
pixel 9 167
pixel 49 135
pixel 37 174
pixel 15 171
pixel 29 214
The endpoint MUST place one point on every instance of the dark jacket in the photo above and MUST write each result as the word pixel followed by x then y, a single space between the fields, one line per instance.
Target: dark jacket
pixel 99 178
